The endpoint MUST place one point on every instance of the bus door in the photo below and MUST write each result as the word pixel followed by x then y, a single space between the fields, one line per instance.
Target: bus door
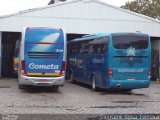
pixel 130 59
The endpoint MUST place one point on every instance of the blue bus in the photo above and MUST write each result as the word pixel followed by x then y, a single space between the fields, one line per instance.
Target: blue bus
pixel 110 60
pixel 42 58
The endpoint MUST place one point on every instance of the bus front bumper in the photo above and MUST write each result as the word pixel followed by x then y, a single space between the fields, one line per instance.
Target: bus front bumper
pixel 128 84
pixel 41 81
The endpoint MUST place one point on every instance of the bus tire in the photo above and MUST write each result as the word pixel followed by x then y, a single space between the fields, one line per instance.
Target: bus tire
pixel 93 85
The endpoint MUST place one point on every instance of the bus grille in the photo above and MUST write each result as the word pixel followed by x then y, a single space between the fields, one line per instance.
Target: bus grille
pixel 47 55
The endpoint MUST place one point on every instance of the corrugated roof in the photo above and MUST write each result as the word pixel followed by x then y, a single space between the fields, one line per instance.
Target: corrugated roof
pixel 128 11
pixel 72 1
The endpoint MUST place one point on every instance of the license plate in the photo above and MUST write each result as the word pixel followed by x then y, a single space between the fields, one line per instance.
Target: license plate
pixel 130 79
pixel 43 81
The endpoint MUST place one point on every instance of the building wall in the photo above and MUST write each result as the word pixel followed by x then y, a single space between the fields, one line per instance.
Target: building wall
pixel 0 52
pixel 82 17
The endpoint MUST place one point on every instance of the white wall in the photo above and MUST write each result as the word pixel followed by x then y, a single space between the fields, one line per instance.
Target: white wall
pixel 0 52
pixel 82 17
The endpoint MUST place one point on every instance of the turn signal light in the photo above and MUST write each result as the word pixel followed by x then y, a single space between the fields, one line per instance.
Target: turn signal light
pixel 63 68
pixel 110 72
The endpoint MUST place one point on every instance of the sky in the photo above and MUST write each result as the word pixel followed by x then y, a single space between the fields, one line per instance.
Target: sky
pixel 12 6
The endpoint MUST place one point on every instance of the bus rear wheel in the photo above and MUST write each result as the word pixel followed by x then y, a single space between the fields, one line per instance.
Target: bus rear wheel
pixel 94 83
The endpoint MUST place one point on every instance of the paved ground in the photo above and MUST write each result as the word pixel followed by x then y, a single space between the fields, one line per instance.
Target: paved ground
pixel 77 99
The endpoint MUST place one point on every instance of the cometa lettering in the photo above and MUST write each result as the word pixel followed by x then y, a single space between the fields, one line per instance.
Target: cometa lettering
pixel 34 66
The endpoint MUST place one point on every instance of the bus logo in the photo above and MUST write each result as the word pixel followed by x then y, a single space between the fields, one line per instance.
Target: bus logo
pixel 59 50
pixel 34 66
pixel 131 51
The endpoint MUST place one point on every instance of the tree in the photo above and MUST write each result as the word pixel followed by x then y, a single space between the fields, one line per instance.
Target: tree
pixel 149 8
pixel 53 1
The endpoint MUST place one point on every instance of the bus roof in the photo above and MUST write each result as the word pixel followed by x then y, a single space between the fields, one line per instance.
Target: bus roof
pixel 97 35
pixel 26 28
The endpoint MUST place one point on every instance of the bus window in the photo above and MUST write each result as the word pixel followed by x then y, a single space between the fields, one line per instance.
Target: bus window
pixel 83 48
pixel 126 41
pixel 98 45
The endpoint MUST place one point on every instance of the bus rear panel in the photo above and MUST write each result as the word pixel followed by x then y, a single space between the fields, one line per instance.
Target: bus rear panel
pixel 130 61
pixel 42 57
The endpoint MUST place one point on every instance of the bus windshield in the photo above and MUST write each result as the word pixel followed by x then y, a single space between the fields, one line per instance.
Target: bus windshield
pixel 126 41
pixel 44 36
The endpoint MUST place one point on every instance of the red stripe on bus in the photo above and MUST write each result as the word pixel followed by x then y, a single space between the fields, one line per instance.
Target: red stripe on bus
pixel 42 43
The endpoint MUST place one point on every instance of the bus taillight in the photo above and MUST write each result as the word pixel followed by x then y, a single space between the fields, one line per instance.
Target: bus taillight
pixel 110 72
pixel 63 68
pixel 23 70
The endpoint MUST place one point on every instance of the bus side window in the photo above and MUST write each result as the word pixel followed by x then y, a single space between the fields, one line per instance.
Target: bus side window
pixel 84 47
pixel 99 51
pixel 74 48
pixel 105 45
pixel 101 45
pixel 104 48
pixel 90 49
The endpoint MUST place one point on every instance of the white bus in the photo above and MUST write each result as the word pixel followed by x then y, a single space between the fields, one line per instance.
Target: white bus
pixel 42 57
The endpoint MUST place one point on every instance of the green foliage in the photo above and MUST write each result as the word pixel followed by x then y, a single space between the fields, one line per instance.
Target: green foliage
pixel 149 8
